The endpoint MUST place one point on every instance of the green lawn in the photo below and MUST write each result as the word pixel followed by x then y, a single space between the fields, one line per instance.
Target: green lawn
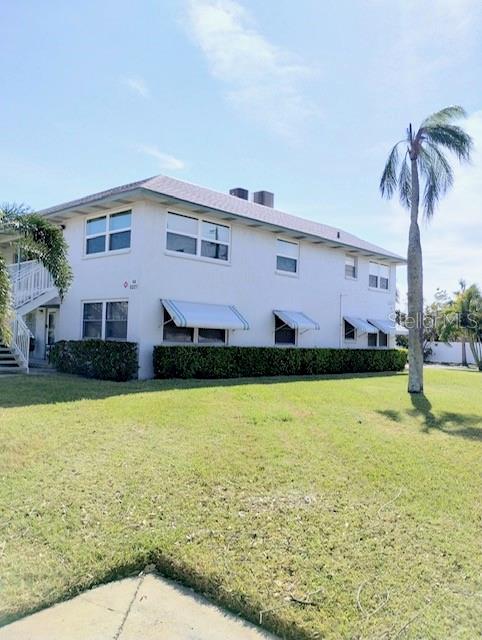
pixel 335 505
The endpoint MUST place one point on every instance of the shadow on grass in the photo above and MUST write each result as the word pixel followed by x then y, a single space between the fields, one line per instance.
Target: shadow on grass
pixel 464 425
pixel 29 390
pixel 209 585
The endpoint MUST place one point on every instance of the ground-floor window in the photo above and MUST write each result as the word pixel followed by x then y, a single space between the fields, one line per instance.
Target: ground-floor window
pixel 173 333
pixel 379 339
pixel 282 333
pixel 105 320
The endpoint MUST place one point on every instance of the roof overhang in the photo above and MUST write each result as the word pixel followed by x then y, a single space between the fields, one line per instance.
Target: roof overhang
pixel 101 203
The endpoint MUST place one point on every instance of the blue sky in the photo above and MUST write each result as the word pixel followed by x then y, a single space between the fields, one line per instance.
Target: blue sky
pixel 304 99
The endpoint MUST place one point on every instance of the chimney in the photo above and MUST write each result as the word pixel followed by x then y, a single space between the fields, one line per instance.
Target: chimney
pixel 266 198
pixel 239 192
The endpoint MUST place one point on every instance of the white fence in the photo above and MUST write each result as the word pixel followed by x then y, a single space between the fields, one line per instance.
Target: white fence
pixel 449 353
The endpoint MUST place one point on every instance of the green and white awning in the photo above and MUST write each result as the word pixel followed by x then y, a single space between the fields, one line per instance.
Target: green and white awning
pixel 362 326
pixel 296 320
pixel 203 315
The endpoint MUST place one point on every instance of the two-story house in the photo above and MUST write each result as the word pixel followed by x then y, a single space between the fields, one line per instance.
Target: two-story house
pixel 164 261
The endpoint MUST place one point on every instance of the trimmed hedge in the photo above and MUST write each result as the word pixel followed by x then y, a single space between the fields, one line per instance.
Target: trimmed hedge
pixel 233 362
pixel 106 360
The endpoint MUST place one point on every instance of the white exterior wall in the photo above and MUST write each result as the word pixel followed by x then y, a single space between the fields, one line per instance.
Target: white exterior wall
pixel 449 353
pixel 249 280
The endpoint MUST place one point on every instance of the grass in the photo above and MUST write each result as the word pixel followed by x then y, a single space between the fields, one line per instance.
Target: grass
pixel 338 507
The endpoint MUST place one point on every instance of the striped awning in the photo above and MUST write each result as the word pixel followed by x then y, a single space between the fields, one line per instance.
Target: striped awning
pixel 204 315
pixel 362 326
pixel 296 320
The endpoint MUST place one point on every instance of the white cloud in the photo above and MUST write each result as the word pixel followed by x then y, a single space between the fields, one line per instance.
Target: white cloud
pixel 137 85
pixel 166 161
pixel 452 240
pixel 264 81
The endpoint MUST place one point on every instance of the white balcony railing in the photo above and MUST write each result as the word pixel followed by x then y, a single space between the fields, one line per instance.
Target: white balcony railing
pixel 29 281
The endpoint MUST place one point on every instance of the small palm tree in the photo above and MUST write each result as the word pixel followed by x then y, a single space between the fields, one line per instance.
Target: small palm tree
pixel 463 321
pixel 37 239
pixel 422 162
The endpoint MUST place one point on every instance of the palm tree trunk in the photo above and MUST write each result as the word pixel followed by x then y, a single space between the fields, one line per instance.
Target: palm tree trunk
pixel 415 291
pixel 464 353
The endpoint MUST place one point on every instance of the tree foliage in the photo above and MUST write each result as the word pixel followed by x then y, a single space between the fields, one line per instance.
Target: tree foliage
pixel 37 239
pixel 463 320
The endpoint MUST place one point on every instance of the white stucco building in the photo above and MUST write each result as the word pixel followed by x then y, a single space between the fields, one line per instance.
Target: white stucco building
pixel 161 260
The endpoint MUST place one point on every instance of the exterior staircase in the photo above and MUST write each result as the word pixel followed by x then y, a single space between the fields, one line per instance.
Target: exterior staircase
pixel 8 361
pixel 32 286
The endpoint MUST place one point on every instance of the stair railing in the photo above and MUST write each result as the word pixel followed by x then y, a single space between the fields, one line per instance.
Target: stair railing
pixel 20 341
pixel 29 281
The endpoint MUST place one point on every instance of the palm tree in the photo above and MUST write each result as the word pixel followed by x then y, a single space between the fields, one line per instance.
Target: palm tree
pixel 463 321
pixel 422 162
pixel 37 239
pixel 463 287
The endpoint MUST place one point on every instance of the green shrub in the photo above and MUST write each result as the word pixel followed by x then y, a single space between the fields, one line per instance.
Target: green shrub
pixel 233 362
pixel 106 360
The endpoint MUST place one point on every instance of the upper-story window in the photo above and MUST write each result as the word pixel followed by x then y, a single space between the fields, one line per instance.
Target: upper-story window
pixel 379 276
pixel 108 233
pixel 287 256
pixel 351 270
pixel 197 237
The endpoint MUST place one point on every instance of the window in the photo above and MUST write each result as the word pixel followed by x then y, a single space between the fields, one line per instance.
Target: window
pixel 382 339
pixel 197 237
pixel 378 340
pixel 350 267
pixel 379 277
pixel 212 336
pixel 116 321
pixel 108 233
pixel 350 331
pixel 372 340
pixel 92 320
pixel 105 320
pixel 173 333
pixel 287 256
pixel 282 333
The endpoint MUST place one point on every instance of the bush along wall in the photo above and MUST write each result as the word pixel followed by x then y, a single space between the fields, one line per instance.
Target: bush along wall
pixel 233 362
pixel 106 360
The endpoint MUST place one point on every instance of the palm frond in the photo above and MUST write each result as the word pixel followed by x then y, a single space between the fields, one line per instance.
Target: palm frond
pixel 444 116
pixel 405 184
pixel 453 138
pixel 437 181
pixel 388 181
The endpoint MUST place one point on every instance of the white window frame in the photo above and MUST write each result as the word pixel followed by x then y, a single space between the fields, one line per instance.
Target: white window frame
pixel 378 276
pixel 282 272
pixel 199 238
pixel 104 302
pixel 378 345
pixel 355 265
pixel 107 233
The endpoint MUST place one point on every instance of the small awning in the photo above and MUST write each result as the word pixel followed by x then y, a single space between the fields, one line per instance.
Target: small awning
pixel 386 326
pixel 360 325
pixel 296 320
pixel 205 316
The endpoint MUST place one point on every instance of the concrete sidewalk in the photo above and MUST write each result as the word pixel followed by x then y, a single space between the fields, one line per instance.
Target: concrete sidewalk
pixel 147 607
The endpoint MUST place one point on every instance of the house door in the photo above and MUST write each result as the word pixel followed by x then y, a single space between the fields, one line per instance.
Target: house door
pixel 50 325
